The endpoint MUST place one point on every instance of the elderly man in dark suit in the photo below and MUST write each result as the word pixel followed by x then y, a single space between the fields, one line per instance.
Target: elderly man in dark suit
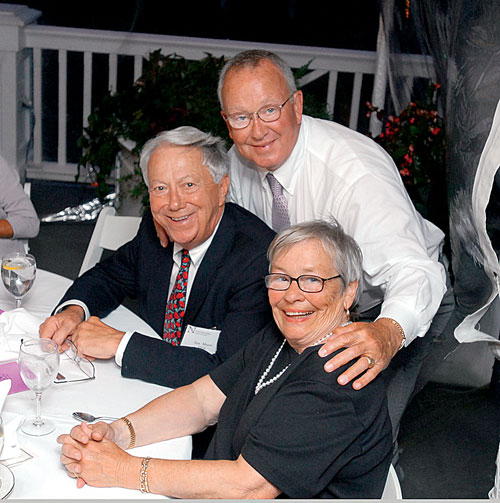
pixel 204 294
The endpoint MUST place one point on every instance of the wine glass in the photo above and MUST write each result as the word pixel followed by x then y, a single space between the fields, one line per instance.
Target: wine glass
pixel 18 274
pixel 39 364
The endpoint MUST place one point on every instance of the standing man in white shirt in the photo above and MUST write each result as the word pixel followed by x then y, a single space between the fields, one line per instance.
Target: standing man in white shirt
pixel 287 168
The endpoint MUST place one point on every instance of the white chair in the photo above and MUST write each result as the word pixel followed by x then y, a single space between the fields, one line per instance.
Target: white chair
pixel 110 232
pixel 392 489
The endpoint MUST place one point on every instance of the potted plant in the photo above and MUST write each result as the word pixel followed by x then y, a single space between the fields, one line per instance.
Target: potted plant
pixel 416 140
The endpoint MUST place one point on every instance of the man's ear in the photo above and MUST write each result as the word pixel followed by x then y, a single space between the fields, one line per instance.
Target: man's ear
pixel 227 124
pixel 298 105
pixel 223 188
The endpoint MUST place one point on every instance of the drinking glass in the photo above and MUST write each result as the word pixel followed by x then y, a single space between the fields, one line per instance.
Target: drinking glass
pixel 18 274
pixel 39 364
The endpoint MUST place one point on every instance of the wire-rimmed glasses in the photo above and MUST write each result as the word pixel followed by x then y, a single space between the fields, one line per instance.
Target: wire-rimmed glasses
pixel 80 369
pixel 267 113
pixel 308 283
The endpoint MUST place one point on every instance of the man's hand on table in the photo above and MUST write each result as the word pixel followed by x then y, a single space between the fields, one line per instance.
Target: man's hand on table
pixel 62 324
pixel 95 339
pixel 367 345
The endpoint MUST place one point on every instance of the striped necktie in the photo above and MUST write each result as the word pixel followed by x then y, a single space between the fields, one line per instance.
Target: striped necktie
pixel 281 219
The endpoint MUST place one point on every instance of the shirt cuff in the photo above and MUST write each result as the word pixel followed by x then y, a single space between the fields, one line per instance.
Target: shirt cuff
pixel 74 303
pixel 404 317
pixel 122 346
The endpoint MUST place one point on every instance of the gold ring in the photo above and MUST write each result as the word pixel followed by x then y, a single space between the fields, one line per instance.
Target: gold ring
pixel 371 362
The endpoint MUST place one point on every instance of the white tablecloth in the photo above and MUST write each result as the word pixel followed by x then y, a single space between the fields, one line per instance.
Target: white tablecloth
pixel 109 394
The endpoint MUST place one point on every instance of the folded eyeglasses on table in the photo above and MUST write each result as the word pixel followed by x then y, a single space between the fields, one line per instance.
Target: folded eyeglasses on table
pixel 72 366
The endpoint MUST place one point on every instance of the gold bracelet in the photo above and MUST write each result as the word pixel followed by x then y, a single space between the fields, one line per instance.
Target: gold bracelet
pixel 401 331
pixel 130 427
pixel 144 475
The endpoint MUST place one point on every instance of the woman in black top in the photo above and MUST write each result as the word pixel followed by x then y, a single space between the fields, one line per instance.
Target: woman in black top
pixel 284 425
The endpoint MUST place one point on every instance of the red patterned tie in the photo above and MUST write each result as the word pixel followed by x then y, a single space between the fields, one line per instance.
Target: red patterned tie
pixel 176 305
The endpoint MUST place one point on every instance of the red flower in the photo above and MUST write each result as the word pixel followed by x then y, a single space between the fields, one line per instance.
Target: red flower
pixel 408 158
pixel 435 130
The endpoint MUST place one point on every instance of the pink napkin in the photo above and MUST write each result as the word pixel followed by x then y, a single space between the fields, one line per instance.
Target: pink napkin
pixel 10 371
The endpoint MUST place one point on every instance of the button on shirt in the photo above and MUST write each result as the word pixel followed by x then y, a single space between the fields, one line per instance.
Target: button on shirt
pixel 335 171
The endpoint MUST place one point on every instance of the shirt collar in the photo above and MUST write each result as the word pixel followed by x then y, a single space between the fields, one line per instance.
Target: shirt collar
pixel 288 172
pixel 198 252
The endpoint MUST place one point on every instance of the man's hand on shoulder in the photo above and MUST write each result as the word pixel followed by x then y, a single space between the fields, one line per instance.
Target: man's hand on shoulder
pixel 95 339
pixel 160 232
pixel 62 324
pixel 370 346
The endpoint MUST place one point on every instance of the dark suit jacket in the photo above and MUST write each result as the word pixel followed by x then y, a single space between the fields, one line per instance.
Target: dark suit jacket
pixel 228 294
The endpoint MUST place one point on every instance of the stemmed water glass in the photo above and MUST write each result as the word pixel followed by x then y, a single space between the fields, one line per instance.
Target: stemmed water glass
pixel 18 274
pixel 39 364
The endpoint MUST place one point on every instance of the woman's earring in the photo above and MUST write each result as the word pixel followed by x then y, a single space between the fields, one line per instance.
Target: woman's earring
pixel 348 314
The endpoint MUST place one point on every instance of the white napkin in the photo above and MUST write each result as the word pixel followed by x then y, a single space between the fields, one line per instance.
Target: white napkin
pixel 10 445
pixel 15 325
pixel 4 391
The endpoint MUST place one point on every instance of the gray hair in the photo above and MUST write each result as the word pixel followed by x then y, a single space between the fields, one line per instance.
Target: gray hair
pixel 253 58
pixel 342 249
pixel 212 148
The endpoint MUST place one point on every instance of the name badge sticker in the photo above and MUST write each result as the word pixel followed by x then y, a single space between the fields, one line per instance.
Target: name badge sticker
pixel 202 338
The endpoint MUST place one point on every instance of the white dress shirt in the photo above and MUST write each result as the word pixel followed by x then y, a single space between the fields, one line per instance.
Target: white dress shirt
pixel 335 171
pixel 196 254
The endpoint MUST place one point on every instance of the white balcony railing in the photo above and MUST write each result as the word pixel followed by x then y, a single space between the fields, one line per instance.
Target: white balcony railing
pixel 40 142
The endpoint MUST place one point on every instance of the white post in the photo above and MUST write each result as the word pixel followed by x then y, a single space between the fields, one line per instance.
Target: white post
pixel 13 18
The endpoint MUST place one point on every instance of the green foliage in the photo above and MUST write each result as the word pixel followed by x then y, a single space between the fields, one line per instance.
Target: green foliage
pixel 171 92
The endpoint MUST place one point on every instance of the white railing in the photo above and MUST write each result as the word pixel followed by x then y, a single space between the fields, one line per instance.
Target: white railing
pixel 35 41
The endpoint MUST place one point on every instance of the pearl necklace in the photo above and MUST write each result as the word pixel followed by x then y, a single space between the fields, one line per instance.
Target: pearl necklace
pixel 262 384
pixel 328 335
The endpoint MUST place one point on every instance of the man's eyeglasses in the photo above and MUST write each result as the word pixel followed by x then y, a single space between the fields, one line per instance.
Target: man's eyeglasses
pixel 73 367
pixel 268 113
pixel 307 282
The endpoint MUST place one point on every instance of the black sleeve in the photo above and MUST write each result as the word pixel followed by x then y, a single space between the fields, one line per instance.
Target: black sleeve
pixel 302 451
pixel 104 287
pixel 173 366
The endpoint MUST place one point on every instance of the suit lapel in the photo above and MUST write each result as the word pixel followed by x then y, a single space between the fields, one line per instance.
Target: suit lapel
pixel 160 286
pixel 214 259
